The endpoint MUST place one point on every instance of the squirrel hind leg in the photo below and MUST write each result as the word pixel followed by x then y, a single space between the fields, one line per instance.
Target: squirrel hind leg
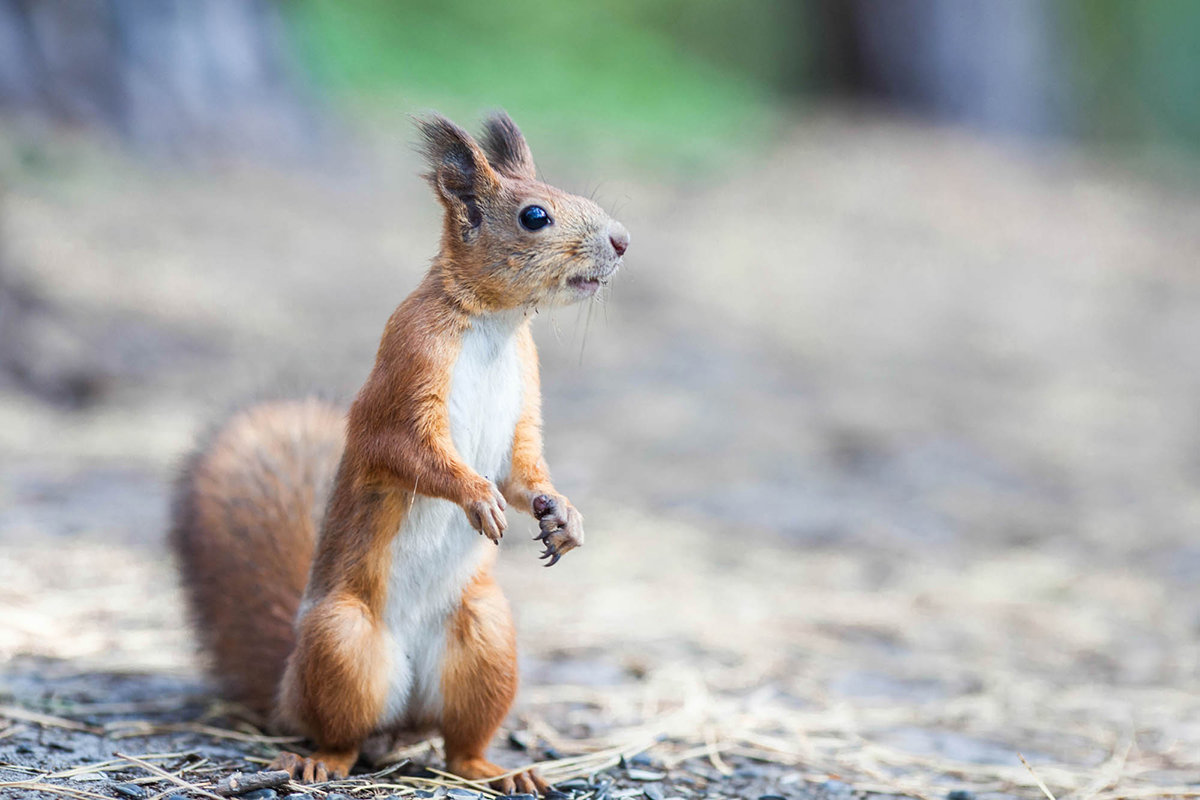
pixel 479 683
pixel 334 686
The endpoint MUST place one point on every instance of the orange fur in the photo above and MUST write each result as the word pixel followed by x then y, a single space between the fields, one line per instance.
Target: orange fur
pixel 244 522
pixel 479 682
pixel 334 685
pixel 529 476
pixel 479 673
pixel 250 503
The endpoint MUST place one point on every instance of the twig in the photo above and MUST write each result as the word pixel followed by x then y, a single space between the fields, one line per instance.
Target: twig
pixel 126 728
pixel 239 783
pixel 162 773
pixel 1045 790
pixel 103 766
pixel 714 752
pixel 46 720
pixel 37 785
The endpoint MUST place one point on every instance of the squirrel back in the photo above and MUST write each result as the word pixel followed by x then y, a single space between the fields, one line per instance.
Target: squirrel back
pixel 246 513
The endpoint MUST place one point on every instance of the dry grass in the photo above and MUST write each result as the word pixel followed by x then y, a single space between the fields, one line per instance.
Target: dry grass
pixel 684 723
pixel 697 711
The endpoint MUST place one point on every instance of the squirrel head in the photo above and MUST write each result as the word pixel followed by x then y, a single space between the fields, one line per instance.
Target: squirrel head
pixel 510 240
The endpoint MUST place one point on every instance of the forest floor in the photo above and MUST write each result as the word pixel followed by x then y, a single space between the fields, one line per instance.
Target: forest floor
pixel 886 438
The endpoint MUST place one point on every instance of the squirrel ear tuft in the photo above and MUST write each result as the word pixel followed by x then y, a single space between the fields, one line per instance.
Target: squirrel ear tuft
pixel 506 147
pixel 459 170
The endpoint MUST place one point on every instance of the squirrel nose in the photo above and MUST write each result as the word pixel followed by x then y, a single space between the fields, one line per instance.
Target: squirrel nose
pixel 619 237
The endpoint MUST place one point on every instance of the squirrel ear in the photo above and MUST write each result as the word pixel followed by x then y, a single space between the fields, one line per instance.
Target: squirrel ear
pixel 506 147
pixel 459 170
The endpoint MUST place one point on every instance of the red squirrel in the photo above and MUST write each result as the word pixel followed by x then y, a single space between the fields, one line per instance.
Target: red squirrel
pixel 338 568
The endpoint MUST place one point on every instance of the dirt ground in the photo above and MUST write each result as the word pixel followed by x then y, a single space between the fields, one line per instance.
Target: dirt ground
pixel 886 438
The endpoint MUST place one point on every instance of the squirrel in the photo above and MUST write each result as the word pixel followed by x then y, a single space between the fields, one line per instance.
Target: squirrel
pixel 338 567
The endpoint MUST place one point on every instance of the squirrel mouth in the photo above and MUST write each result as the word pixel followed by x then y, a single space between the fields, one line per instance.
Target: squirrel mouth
pixel 589 282
pixel 586 282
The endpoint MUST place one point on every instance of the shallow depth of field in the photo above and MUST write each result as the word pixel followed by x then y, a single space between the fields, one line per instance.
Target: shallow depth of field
pixel 886 434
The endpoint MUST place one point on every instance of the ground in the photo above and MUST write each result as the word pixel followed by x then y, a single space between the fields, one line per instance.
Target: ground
pixel 886 440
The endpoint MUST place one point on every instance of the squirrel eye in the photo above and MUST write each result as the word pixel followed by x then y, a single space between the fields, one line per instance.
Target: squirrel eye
pixel 534 218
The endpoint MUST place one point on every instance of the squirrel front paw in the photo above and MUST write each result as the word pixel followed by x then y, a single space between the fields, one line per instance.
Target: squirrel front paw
pixel 486 513
pixel 561 526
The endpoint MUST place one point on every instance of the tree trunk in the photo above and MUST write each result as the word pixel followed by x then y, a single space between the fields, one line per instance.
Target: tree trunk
pixel 168 75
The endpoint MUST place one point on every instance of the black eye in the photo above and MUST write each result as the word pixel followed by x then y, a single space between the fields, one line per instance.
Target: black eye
pixel 534 218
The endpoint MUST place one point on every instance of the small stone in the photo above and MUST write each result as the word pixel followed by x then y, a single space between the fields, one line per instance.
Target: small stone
pixel 330 796
pixel 520 740
pixel 653 791
pixel 747 772
pixel 575 784
pixel 554 794
pixel 464 793
pixel 960 794
pixel 553 754
pixel 642 760
pixel 522 796
pixel 129 790
pixel 837 787
pixel 176 797
pixel 645 775
pixel 263 794
pixel 423 793
pixel 771 797
pixel 299 796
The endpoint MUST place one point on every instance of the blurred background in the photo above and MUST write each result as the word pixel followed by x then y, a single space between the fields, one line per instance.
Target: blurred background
pixel 887 433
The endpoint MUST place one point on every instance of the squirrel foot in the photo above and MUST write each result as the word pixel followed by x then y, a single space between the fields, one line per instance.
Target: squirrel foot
pixel 321 766
pixel 477 769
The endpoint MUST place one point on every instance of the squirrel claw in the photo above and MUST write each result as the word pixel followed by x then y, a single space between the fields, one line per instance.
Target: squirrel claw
pixel 551 552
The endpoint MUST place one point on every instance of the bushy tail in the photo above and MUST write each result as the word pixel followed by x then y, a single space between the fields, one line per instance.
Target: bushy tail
pixel 245 518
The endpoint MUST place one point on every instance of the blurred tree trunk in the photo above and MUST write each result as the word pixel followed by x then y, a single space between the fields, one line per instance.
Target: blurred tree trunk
pixel 168 75
pixel 994 65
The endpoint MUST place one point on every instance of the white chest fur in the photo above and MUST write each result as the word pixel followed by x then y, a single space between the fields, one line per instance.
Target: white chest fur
pixel 485 395
pixel 436 552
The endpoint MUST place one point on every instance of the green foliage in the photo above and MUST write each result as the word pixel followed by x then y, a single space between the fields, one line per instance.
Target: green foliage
pixel 598 75
pixel 1136 70
pixel 687 83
